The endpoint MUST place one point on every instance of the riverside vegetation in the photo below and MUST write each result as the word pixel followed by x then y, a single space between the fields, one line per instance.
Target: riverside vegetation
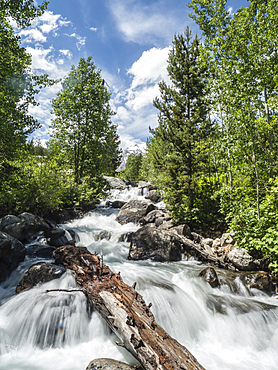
pixel 213 155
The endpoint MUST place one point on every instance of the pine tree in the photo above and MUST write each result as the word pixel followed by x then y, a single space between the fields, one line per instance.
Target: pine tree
pixel 182 124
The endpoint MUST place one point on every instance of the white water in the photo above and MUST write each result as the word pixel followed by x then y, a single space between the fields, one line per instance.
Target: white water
pixel 224 330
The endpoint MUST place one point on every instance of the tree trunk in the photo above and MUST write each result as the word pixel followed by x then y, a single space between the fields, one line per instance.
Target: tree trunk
pixel 125 312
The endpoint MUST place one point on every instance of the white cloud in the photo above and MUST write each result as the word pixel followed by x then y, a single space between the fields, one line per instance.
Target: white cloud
pixel 32 35
pixel 94 29
pixel 67 53
pixel 80 40
pixel 150 67
pixel 49 22
pixel 134 107
pixel 154 23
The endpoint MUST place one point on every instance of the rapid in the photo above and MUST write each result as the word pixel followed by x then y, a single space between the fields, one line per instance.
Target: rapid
pixel 224 328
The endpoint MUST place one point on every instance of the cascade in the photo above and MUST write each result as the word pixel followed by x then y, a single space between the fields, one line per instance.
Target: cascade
pixel 222 328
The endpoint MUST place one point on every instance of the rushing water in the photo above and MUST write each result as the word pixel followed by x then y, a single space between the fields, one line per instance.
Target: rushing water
pixel 56 330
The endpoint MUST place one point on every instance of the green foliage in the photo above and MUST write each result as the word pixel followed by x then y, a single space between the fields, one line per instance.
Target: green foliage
pixel 260 237
pixel 82 132
pixel 133 168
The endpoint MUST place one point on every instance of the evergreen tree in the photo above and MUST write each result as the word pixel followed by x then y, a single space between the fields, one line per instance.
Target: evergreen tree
pixel 182 125
pixel 83 134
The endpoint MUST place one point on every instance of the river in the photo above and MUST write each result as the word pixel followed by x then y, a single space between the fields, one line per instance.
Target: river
pixel 224 328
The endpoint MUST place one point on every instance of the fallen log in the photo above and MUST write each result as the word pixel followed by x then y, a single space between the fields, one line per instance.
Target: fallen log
pixel 125 312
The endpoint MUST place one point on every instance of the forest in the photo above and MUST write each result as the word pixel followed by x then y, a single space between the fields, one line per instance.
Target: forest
pixel 213 155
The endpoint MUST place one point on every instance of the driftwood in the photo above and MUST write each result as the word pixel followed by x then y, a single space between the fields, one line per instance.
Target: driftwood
pixel 125 312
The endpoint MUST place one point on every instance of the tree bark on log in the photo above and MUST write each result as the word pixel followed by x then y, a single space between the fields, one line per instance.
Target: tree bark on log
pixel 125 312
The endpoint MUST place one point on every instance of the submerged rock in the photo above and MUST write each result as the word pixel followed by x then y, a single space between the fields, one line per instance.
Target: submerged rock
pixel 40 273
pixel 109 364
pixel 12 252
pixel 210 276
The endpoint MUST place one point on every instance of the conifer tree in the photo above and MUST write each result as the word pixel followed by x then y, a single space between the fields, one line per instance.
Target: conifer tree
pixel 182 124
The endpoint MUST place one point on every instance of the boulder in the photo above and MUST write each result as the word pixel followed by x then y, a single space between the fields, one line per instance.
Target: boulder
pixel 154 244
pixel 117 204
pixel 24 226
pixel 153 196
pixel 242 260
pixel 152 216
pixel 115 183
pixel 183 230
pixel 39 273
pixel 134 210
pixel 56 237
pixel 260 280
pixel 12 252
pixel 109 364
pixel 210 276
pixel 39 251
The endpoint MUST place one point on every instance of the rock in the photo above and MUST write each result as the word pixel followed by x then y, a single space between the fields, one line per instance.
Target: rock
pixel 210 276
pixel 226 239
pixel 12 252
pixel 153 196
pixel 115 183
pixel 117 204
pixel 54 233
pixel 39 250
pixel 104 235
pixel 152 216
pixel 260 280
pixel 126 237
pixel 108 364
pixel 56 237
pixel 24 226
pixel 134 210
pixel 166 225
pixel 157 245
pixel 197 238
pixel 39 273
pixel 183 230
pixel 242 260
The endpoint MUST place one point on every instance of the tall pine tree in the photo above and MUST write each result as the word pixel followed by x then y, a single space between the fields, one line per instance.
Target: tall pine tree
pixel 182 125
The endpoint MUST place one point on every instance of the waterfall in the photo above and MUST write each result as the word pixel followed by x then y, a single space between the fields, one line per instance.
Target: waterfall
pixel 224 328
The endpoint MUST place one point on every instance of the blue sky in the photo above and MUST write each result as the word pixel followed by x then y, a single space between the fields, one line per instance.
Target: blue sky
pixel 129 41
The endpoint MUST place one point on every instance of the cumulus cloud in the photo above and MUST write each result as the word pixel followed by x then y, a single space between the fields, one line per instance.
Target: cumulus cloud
pixel 49 22
pixel 94 29
pixel 32 35
pixel 81 41
pixel 144 24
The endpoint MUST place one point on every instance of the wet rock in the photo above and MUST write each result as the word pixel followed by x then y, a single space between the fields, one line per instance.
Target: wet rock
pixel 260 280
pixel 115 183
pixel 109 364
pixel 12 252
pixel 24 226
pixel 157 245
pixel 210 276
pixel 39 273
pixel 39 250
pixel 54 233
pixel 134 210
pixel 117 204
pixel 104 235
pixel 242 260
pixel 126 237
